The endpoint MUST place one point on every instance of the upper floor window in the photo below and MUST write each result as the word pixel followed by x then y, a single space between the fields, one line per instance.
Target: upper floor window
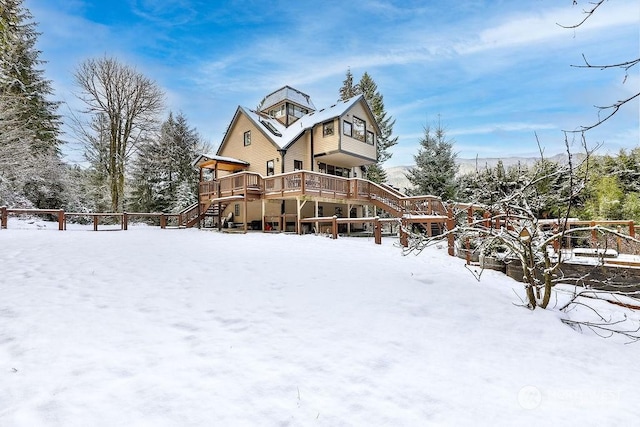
pixel 247 138
pixel 346 128
pixel 297 165
pixel 358 129
pixel 327 129
pixel 370 137
pixel 270 167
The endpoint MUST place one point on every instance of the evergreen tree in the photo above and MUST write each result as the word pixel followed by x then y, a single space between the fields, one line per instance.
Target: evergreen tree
pixel 347 91
pixel 435 169
pixel 164 178
pixel 369 89
pixel 31 173
pixel 20 76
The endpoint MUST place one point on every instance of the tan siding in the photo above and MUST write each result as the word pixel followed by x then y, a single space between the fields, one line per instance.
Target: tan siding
pixel 353 145
pixel 257 154
pixel 300 150
pixel 325 144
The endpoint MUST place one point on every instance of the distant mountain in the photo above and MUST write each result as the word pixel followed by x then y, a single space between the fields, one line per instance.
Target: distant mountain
pixel 396 175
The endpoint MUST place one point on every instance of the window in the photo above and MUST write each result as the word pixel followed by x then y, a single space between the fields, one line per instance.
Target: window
pixel 247 138
pixel 270 167
pixel 297 165
pixel 327 129
pixel 370 137
pixel 358 129
pixel 346 128
pixel 236 209
pixel 322 167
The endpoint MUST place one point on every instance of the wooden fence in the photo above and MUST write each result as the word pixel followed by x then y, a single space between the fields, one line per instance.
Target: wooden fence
pixel 62 216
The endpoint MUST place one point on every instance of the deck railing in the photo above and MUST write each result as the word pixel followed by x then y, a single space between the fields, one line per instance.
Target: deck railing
pixel 306 183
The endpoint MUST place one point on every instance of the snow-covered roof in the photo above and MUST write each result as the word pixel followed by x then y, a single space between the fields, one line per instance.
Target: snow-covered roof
pixel 282 136
pixel 206 157
pixel 287 92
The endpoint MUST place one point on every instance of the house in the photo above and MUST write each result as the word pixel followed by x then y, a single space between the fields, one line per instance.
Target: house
pixel 288 161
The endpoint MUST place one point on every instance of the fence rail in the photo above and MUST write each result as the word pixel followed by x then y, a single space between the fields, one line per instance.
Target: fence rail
pixel 62 217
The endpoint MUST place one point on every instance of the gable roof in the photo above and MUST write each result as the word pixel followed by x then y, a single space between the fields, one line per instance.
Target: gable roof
pixel 287 92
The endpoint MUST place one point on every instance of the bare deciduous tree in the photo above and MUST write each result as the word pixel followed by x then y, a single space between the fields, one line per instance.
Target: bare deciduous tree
pixel 605 112
pixel 128 104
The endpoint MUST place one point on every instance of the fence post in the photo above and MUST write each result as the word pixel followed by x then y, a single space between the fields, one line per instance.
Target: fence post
pixel 377 231
pixel 163 221
pixel 125 221
pixel 3 217
pixel 632 229
pixel 95 222
pixel 594 234
pixel 451 240
pixel 61 220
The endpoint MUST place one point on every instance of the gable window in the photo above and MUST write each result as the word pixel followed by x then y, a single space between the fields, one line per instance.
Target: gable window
pixel 327 129
pixel 270 167
pixel 297 165
pixel 247 138
pixel 346 128
pixel 358 129
pixel 370 137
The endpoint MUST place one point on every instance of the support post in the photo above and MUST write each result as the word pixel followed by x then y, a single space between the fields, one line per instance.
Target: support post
pixel 334 227
pixel 60 220
pixel 125 221
pixel 298 212
pixel 264 223
pixel 404 237
pixel 163 221
pixel 3 217
pixel 95 223
pixel 632 229
pixel 377 231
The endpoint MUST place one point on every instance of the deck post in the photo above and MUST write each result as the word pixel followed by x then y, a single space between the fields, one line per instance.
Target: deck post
pixel 298 217
pixel 245 184
pixel 377 231
pixel 264 211
pixel 334 227
pixel 404 237
pixel 3 217
pixel 60 220
pixel 163 221
pixel 125 221
pixel 316 215
pixel 95 222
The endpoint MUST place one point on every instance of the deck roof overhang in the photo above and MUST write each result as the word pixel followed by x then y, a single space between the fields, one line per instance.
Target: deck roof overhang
pixel 220 163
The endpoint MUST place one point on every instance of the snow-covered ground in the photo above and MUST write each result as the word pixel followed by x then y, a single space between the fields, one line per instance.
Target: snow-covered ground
pixel 151 327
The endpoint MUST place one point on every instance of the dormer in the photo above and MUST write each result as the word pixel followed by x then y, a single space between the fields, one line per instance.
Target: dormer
pixel 287 105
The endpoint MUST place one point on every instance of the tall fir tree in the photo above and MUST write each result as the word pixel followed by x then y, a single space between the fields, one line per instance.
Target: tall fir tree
pixel 435 169
pixel 369 89
pixel 29 123
pixel 163 177
pixel 21 76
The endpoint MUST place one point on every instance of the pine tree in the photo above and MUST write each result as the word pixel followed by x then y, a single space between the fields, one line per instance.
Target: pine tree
pixel 164 178
pixel 32 174
pixel 435 169
pixel 21 76
pixel 369 89
pixel 347 91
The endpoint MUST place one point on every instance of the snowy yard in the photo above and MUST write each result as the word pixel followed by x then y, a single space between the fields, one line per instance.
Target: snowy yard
pixel 153 327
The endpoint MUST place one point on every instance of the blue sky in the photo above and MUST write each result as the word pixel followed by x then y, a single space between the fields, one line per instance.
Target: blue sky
pixel 494 72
